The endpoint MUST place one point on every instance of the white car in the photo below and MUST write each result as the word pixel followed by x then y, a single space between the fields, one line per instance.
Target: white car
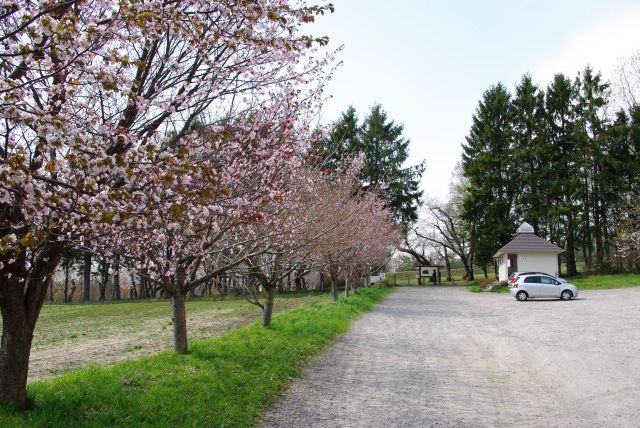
pixel 526 286
pixel 514 276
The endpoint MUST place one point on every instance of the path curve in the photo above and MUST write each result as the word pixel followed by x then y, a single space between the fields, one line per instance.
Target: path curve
pixel 446 357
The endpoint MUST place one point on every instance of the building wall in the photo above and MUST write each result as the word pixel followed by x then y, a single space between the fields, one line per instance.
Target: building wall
pixel 503 268
pixel 534 262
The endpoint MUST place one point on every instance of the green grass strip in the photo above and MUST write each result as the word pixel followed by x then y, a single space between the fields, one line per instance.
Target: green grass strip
pixel 606 282
pixel 225 382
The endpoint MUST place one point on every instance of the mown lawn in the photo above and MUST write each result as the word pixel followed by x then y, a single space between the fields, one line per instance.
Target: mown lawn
pixel 227 382
pixel 605 282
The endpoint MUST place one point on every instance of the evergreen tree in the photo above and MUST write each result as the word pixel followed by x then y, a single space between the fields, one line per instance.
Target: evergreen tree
pixel 591 154
pixel 530 155
pixel 489 169
pixel 564 181
pixel 385 152
pixel 557 160
pixel 344 140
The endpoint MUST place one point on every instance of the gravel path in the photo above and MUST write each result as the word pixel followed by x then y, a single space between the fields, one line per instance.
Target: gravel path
pixel 446 357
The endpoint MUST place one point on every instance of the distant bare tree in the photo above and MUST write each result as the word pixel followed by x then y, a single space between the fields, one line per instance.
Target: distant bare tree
pixel 441 225
pixel 626 80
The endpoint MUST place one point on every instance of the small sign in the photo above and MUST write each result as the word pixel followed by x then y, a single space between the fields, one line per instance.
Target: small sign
pixel 426 271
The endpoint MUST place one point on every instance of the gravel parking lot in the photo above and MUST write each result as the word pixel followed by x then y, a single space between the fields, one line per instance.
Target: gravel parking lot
pixel 447 357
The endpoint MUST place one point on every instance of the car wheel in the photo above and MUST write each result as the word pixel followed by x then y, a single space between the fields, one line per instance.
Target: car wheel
pixel 566 295
pixel 522 296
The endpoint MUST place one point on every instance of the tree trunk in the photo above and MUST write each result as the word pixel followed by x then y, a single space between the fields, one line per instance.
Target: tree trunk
pixel 559 265
pixel 468 270
pixel 86 285
pixel 447 262
pixel 15 348
pixel 334 283
pixel 321 282
pixel 597 230
pixel 179 319
pixel 588 238
pixel 143 287
pixel 571 251
pixel 22 294
pixel 104 281
pixel 51 292
pixel 346 288
pixel 268 306
pixel 66 283
pixel 116 279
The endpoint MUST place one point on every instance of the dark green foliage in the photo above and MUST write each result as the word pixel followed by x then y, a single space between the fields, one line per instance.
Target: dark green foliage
pixel 564 165
pixel 224 382
pixel 530 147
pixel 555 159
pixel 385 151
pixel 486 163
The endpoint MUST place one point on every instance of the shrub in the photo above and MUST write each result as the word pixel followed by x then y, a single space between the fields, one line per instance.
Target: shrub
pixel 501 287
pixel 484 282
pixel 384 283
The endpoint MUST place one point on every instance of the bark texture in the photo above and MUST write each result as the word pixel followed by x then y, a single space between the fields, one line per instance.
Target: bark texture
pixel 86 284
pixel 268 307
pixel 15 348
pixel 179 318
pixel 23 290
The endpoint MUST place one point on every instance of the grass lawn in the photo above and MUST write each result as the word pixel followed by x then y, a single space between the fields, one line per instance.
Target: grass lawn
pixel 605 282
pixel 585 282
pixel 69 337
pixel 227 381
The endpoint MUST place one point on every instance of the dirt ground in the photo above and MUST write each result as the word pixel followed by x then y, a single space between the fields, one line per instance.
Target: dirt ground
pixel 68 336
pixel 443 357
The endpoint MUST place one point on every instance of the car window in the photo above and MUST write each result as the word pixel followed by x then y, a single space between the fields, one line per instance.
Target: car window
pixel 532 280
pixel 547 280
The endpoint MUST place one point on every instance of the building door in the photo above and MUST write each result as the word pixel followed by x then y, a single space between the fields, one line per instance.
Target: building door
pixel 513 263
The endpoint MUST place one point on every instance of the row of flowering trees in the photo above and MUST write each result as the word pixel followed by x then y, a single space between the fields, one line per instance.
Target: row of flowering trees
pixel 172 136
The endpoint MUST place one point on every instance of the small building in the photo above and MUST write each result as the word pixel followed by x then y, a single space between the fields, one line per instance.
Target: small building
pixel 527 253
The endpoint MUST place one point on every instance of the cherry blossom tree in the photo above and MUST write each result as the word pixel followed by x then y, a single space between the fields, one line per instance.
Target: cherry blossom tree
pixel 99 99
pixel 358 231
pixel 293 229
pixel 205 216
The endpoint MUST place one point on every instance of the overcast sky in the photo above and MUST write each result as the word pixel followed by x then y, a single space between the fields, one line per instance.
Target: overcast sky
pixel 428 62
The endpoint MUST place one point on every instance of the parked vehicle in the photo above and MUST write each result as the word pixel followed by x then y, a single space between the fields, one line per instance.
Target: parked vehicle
pixel 542 285
pixel 514 276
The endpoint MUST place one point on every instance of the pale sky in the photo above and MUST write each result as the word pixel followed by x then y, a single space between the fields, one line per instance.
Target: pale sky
pixel 428 62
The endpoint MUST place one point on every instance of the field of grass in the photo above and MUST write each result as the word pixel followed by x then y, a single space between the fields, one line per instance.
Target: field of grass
pixel 227 381
pixel 605 282
pixel 75 335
